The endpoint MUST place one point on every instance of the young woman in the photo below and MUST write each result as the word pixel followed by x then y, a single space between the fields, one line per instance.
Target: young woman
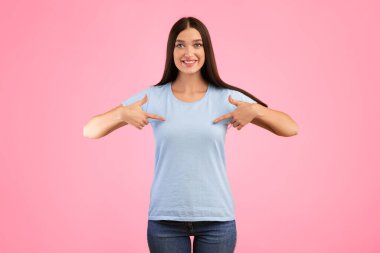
pixel 189 111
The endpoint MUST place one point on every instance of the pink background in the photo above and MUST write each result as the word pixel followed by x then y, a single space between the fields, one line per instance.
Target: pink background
pixel 63 62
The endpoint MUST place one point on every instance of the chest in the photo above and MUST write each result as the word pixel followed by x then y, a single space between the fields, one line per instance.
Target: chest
pixel 189 120
pixel 189 98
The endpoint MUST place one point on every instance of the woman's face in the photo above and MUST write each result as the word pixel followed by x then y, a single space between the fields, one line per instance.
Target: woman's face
pixel 189 47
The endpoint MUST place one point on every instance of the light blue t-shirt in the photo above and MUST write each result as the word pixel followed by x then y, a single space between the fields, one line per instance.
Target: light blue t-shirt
pixel 190 181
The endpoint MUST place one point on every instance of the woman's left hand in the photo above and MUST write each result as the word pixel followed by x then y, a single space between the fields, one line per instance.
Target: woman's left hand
pixel 244 113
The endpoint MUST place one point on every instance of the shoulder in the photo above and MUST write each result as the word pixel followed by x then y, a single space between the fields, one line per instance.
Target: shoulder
pixel 235 94
pixel 158 88
pixel 220 91
pixel 158 92
pixel 225 92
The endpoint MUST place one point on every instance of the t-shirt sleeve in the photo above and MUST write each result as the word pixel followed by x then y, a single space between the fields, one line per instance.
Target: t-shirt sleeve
pixel 242 97
pixel 138 96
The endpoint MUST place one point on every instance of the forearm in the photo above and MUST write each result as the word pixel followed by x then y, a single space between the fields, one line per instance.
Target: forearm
pixel 281 123
pixel 103 124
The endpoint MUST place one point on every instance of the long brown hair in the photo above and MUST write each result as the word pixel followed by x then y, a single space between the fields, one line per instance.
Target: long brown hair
pixel 209 70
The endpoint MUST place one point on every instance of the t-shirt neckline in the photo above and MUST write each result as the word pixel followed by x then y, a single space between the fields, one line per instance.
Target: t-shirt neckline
pixel 189 103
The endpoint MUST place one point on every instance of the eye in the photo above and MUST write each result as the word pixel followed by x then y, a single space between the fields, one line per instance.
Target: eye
pixel 198 44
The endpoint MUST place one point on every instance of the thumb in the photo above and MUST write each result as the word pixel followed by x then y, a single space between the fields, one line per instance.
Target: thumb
pixel 143 100
pixel 233 101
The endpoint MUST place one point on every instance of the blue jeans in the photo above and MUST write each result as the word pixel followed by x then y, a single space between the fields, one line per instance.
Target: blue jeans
pixel 167 236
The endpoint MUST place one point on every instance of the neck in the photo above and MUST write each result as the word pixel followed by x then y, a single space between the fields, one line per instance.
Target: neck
pixel 190 82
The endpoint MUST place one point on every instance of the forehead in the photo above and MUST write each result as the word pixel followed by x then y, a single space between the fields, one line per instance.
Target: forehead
pixel 189 35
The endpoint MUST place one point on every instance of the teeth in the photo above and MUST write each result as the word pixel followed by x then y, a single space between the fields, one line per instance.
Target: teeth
pixel 189 61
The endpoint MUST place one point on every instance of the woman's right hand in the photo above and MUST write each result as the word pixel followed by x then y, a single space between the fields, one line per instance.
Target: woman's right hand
pixel 134 115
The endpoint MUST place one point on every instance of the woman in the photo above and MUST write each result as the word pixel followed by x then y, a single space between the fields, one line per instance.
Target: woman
pixel 189 111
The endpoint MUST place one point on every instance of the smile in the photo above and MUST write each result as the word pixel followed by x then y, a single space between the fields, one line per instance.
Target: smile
pixel 188 64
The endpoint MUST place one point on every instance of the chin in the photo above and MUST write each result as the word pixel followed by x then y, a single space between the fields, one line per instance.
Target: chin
pixel 191 71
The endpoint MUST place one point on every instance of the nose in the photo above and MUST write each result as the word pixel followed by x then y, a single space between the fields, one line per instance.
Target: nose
pixel 188 51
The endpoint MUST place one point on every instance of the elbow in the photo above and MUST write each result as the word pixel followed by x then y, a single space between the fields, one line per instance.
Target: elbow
pixel 88 133
pixel 292 132
pixel 289 134
pixel 90 129
pixel 295 129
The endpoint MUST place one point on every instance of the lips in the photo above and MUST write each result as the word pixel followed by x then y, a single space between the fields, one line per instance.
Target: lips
pixel 189 61
pixel 189 64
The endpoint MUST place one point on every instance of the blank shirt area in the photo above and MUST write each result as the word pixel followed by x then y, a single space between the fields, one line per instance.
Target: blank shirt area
pixel 190 181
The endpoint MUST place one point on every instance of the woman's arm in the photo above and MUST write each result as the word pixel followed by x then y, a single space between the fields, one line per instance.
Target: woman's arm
pixel 103 124
pixel 275 121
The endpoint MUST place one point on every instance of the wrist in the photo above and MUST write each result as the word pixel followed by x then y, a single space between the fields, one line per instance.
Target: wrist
pixel 259 110
pixel 121 114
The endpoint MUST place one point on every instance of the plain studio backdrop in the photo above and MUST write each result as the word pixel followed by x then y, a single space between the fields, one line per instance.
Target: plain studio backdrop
pixel 62 62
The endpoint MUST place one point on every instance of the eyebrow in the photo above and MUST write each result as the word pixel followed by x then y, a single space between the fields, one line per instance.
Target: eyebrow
pixel 184 41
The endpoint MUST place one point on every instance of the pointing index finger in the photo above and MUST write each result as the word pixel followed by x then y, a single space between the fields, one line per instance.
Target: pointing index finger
pixel 225 116
pixel 154 116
